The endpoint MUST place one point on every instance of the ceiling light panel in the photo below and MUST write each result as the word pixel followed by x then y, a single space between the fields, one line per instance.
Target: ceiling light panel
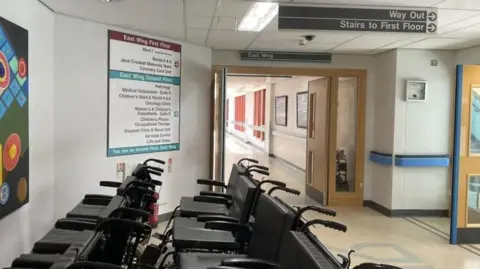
pixel 258 16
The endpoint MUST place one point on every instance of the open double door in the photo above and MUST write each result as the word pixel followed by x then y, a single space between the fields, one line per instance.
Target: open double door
pixel 335 140
pixel 335 132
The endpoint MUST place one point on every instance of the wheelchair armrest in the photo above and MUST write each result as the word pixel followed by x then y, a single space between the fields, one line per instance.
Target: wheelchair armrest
pixel 156 182
pixel 92 265
pixel 136 213
pixel 250 263
pixel 205 218
pixel 96 201
pixel 219 194
pixel 142 184
pixel 217 267
pixel 76 225
pixel 242 231
pixel 211 182
pixel 212 199
pixel 98 196
pixel 112 184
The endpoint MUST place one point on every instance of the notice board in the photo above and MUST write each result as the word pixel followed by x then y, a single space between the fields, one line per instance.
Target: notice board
pixel 14 140
pixel 144 76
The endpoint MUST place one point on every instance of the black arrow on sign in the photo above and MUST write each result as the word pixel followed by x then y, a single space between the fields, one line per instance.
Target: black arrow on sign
pixel 432 16
pixel 432 28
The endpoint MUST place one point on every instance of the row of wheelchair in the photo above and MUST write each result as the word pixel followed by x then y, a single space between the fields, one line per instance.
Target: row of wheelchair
pixel 244 225
pixel 102 231
pixel 239 225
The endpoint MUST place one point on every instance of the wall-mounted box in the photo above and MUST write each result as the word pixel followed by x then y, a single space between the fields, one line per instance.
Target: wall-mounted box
pixel 415 91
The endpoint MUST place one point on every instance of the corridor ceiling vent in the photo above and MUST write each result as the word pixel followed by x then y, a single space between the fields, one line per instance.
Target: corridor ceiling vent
pixel 258 16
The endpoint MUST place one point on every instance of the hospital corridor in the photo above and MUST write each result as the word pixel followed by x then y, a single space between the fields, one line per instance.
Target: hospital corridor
pixel 374 237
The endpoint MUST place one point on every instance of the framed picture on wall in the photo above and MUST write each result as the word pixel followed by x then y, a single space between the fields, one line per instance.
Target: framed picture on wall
pixel 281 109
pixel 302 106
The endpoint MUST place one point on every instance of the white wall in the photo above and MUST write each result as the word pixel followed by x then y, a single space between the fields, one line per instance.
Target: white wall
pixel 19 230
pixel 384 116
pixel 367 62
pixel 468 56
pixel 423 128
pixel 81 117
pixel 289 142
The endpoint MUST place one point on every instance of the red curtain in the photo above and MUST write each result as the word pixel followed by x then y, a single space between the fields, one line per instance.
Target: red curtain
pixel 259 113
pixel 240 113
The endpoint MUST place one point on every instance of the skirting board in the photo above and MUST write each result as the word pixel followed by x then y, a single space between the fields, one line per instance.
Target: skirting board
pixel 401 213
pixel 286 162
pixel 164 217
pixel 314 194
pixel 468 235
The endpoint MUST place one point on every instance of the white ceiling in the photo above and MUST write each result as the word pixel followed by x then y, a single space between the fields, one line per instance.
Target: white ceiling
pixel 212 23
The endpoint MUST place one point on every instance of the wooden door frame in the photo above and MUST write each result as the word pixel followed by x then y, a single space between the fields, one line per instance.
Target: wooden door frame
pixel 361 75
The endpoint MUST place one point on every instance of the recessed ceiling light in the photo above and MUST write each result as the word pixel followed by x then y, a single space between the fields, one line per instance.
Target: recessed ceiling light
pixel 258 16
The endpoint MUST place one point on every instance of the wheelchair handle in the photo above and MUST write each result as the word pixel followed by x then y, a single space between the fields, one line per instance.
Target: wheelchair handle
pixel 292 191
pixel 154 160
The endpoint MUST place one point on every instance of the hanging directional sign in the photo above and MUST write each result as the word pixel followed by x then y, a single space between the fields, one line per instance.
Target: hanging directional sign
pixel 285 56
pixel 358 19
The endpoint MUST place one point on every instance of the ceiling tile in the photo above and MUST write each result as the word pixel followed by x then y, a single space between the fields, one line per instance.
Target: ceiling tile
pixel 396 3
pixel 294 36
pixel 225 23
pixel 232 8
pixel 460 4
pixel 230 39
pixel 290 46
pixel 200 8
pixel 126 13
pixel 469 21
pixel 449 16
pixel 197 36
pixel 465 33
pixel 199 22
pixel 436 43
pixel 403 42
pixel 370 41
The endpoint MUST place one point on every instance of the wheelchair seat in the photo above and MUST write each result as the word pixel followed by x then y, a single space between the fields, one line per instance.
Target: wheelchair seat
pixel 204 260
pixel 190 208
pixel 57 241
pixel 188 238
pixel 96 212
pixel 273 222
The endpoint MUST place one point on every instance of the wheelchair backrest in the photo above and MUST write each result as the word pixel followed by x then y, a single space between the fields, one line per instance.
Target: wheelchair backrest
pixel 243 198
pixel 272 221
pixel 299 251
pixel 116 202
pixel 121 190
pixel 234 174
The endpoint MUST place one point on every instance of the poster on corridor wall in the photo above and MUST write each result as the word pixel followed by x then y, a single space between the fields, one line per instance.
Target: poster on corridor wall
pixel 14 140
pixel 143 95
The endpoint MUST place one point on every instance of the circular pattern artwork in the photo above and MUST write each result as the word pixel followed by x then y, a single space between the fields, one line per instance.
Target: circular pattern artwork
pixel 22 188
pixel 22 68
pixel 4 72
pixel 4 193
pixel 11 152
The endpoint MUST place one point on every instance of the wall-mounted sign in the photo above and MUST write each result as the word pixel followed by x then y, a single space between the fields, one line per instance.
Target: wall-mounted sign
pixel 302 109
pixel 143 95
pixel 358 19
pixel 14 123
pixel 286 56
pixel 281 110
